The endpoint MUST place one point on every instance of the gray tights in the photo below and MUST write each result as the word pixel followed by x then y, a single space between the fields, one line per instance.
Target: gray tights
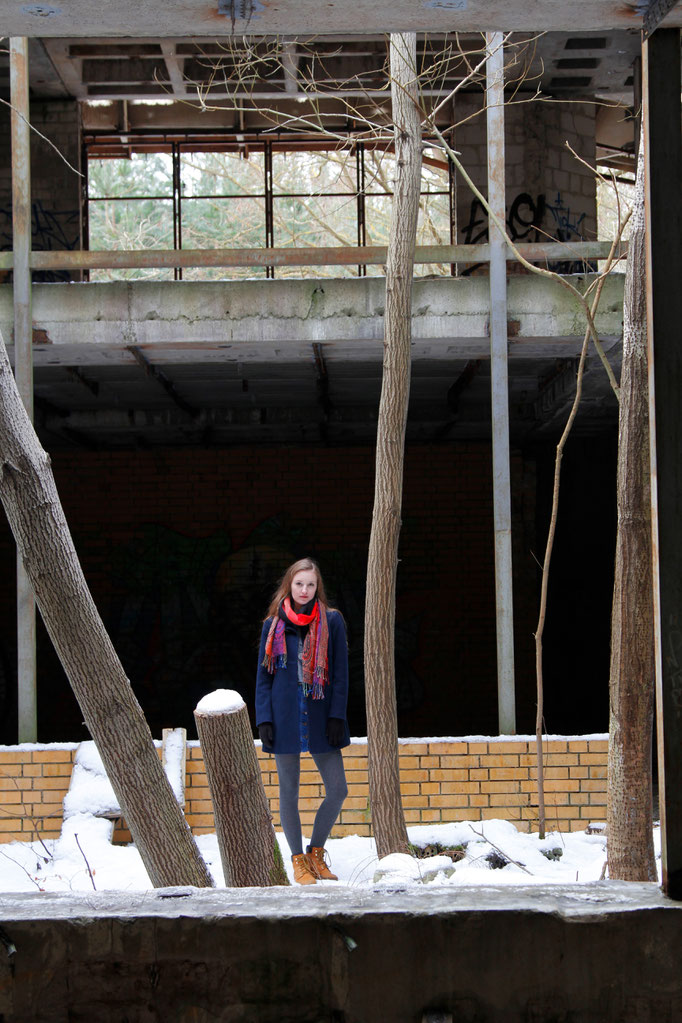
pixel 330 766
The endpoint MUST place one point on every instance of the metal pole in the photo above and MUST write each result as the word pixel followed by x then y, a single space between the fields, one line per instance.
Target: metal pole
pixel 23 361
pixel 494 97
pixel 661 77
pixel 361 204
pixel 452 208
pixel 269 210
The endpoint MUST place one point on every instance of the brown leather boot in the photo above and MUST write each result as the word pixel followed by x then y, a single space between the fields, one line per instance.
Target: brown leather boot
pixel 316 858
pixel 303 872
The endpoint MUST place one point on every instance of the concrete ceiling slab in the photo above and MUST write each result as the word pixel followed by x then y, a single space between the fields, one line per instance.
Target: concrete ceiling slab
pixel 132 18
pixel 125 364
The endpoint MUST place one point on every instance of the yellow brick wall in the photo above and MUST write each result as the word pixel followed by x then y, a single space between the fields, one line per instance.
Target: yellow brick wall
pixel 445 781
pixel 440 781
pixel 33 783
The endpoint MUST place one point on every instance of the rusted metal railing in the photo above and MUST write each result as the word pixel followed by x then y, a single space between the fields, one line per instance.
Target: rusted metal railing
pixel 374 255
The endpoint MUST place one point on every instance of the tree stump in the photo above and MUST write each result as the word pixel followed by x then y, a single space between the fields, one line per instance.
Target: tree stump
pixel 249 850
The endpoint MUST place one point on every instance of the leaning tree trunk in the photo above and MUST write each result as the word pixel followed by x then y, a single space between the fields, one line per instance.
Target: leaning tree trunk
pixel 246 838
pixel 631 681
pixel 111 711
pixel 382 728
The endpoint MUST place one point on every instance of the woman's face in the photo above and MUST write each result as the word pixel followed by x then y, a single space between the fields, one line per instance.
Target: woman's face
pixel 303 586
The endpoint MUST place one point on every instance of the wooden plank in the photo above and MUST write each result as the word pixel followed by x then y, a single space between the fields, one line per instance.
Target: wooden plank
pixel 174 760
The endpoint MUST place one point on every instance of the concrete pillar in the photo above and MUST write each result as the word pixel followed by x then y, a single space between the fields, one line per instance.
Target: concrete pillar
pixel 661 80
pixel 23 360
pixel 499 387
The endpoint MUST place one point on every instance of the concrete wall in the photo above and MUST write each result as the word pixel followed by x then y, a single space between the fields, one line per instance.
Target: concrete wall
pixel 182 549
pixel 439 781
pixel 55 187
pixel 573 954
pixel 550 194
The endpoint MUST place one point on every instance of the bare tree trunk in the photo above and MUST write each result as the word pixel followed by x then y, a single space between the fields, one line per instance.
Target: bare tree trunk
pixel 382 727
pixel 631 680
pixel 111 711
pixel 246 838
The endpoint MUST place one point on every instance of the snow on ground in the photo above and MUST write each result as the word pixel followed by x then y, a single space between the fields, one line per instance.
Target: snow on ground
pixel 83 858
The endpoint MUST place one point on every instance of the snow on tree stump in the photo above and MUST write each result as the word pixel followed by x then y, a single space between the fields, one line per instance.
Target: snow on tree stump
pixel 249 850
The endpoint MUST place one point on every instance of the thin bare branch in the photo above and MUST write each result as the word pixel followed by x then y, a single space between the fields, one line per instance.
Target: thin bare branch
pixel 22 867
pixel 80 850
pixel 551 535
pixel 501 851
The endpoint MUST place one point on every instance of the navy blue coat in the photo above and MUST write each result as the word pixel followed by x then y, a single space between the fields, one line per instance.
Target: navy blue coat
pixel 299 723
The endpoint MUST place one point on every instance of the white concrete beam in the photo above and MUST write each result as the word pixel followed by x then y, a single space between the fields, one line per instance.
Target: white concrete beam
pixel 81 324
pixel 130 18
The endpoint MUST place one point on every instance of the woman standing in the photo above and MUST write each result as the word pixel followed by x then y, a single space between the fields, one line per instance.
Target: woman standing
pixel 301 698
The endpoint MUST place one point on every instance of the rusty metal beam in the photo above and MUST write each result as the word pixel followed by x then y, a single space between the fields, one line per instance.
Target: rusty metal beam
pixel 322 256
pixel 174 68
pixel 23 362
pixel 290 59
pixel 456 389
pixel 322 380
pixel 322 385
pixel 21 221
pixel 77 374
pixel 655 12
pixel 461 384
pixel 157 374
pixel 661 80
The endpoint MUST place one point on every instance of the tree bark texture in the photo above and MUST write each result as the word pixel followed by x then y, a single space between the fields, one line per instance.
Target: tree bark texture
pixel 630 848
pixel 110 709
pixel 388 819
pixel 246 838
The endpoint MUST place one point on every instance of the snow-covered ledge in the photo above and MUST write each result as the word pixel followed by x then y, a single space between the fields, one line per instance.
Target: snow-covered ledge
pixel 604 951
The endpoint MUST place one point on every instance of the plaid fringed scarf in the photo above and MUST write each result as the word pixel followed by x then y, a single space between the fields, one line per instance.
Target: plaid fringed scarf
pixel 315 645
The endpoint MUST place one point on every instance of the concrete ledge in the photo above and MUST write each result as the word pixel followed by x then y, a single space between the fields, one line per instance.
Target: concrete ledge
pixel 607 951
pixel 258 320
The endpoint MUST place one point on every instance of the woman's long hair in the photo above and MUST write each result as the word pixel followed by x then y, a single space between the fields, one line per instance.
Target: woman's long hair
pixel 284 588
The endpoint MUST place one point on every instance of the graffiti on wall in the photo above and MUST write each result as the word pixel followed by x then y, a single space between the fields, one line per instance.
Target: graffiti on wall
pixel 50 229
pixel 524 223
pixel 524 220
pixel 567 225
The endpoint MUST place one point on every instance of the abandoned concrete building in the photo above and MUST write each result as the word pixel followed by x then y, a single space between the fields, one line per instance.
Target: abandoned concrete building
pixel 181 417
pixel 210 407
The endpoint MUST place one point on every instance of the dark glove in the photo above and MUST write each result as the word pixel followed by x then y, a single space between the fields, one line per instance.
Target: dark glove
pixel 335 731
pixel 265 733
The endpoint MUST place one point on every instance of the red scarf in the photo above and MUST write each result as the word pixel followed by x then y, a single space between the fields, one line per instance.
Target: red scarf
pixel 315 646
